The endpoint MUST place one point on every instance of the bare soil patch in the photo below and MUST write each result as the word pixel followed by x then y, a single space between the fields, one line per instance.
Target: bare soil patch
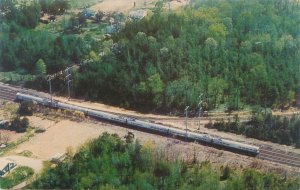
pixel 38 122
pixel 58 137
pixel 11 135
pixel 127 5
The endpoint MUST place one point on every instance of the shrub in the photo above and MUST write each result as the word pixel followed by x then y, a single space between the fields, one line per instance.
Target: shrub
pixel 19 125
pixel 17 176
pixel 26 108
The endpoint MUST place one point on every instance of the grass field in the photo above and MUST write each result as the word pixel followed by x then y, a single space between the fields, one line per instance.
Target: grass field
pixel 15 77
pixel 17 176
pixel 75 4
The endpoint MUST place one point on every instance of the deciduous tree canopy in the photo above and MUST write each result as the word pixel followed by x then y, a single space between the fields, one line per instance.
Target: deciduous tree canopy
pixel 110 163
pixel 233 52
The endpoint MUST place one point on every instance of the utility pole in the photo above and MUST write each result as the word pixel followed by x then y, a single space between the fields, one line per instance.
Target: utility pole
pixel 50 89
pixel 237 98
pixel 200 108
pixel 67 78
pixel 265 106
pixel 186 122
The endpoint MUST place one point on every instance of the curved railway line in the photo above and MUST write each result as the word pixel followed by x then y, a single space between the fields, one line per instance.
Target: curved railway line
pixel 266 152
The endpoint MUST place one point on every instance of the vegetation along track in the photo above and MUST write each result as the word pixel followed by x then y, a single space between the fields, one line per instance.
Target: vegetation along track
pixel 266 152
pixel 279 156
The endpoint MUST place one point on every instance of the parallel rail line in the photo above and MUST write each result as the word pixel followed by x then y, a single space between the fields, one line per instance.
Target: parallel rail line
pixel 279 156
pixel 7 94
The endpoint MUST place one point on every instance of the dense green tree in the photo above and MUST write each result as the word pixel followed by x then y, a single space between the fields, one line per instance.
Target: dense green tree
pixel 24 14
pixel 54 6
pixel 40 68
pixel 26 108
pixel 29 15
pixel 219 49
pixel 155 88
pixel 19 124
pixel 216 88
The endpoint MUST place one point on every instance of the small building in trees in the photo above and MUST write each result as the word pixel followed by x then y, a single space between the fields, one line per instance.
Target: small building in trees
pixel 47 18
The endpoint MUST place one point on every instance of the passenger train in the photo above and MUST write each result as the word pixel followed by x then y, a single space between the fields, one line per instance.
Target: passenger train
pixel 148 126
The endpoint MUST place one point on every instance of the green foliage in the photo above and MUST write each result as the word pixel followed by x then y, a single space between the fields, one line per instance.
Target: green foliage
pixel 234 52
pixel 154 89
pixel 226 173
pixel 17 176
pixel 54 6
pixel 218 48
pixel 15 77
pixel 216 88
pixel 158 8
pixel 24 14
pixel 110 163
pixel 19 125
pixel 26 108
pixel 252 180
pixel 40 68
pixel 24 49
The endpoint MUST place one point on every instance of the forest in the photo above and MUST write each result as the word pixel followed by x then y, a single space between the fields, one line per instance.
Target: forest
pixel 216 48
pixel 234 52
pixel 110 162
pixel 26 48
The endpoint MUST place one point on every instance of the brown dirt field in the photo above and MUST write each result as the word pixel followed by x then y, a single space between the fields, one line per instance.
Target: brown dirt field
pixel 38 122
pixel 12 135
pixel 127 5
pixel 34 163
pixel 57 138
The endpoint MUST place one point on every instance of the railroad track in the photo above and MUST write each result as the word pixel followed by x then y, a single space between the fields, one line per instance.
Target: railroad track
pixel 7 94
pixel 279 156
pixel 182 118
pixel 266 152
